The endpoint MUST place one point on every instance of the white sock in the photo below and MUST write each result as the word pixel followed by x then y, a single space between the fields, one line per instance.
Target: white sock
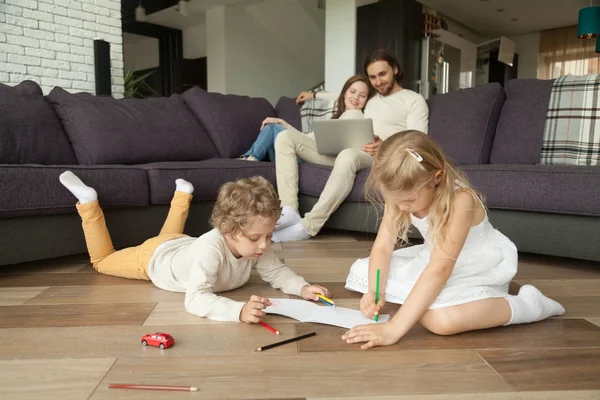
pixel 530 305
pixel 84 194
pixel 289 217
pixel 184 186
pixel 291 233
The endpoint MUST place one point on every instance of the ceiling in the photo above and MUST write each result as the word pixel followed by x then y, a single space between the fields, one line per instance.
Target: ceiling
pixel 517 17
pixel 165 12
pixel 532 15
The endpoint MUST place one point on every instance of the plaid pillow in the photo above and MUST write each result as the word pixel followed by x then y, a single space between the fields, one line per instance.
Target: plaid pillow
pixel 572 131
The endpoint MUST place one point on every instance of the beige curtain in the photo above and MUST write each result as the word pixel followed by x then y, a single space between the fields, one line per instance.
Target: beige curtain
pixel 561 53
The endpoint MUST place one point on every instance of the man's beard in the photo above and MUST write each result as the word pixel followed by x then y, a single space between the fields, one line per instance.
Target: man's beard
pixel 387 90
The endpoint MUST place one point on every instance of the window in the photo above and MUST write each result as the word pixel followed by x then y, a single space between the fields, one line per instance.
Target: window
pixel 562 53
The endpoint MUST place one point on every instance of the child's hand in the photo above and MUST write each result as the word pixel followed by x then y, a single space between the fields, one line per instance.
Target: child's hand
pixel 382 334
pixel 252 312
pixel 309 292
pixel 368 308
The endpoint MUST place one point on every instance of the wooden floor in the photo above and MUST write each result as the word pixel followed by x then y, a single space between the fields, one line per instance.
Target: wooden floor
pixel 67 332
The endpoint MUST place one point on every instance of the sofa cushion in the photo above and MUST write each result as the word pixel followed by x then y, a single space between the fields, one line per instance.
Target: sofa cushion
pixel 313 178
pixel 104 130
pixel 232 122
pixel 207 176
pixel 541 188
pixel 30 131
pixel 287 109
pixel 464 122
pixel 521 126
pixel 31 190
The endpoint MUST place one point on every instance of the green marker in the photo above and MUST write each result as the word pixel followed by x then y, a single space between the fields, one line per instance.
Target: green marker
pixel 377 295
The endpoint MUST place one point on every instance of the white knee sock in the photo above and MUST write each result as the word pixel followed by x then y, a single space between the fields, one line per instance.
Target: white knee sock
pixel 84 194
pixel 530 305
pixel 184 186
pixel 289 217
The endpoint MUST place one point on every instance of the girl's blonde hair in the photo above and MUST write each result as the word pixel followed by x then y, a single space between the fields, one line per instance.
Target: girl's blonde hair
pixel 406 162
pixel 239 203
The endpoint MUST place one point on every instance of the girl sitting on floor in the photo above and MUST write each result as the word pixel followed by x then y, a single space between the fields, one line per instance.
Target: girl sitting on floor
pixel 458 279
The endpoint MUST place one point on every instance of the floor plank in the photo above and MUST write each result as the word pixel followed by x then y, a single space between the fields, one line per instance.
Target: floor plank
pixel 138 293
pixel 19 295
pixel 547 369
pixel 74 315
pixel 65 379
pixel 532 266
pixel 563 333
pixel 324 253
pixel 311 246
pixel 135 293
pixel 65 279
pixel 125 341
pixel 564 287
pixel 174 313
pixel 45 267
pixel 594 321
pixel 580 306
pixel 268 376
pixel 558 395
pixel 333 235
pixel 321 269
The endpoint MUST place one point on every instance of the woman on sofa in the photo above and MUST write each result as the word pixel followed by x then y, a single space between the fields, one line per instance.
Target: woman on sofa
pixel 350 104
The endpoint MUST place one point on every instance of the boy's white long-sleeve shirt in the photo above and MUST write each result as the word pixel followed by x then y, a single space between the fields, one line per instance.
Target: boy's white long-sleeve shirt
pixel 393 113
pixel 204 266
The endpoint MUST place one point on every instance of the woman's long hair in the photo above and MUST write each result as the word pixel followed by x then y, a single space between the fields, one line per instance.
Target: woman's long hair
pixel 341 104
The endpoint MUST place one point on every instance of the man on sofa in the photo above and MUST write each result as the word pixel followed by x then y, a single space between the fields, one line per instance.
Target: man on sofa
pixel 393 109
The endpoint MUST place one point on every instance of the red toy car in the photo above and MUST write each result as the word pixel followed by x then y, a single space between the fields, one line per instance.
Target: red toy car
pixel 158 339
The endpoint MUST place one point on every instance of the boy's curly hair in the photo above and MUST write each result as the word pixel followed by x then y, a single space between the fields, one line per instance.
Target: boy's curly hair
pixel 240 202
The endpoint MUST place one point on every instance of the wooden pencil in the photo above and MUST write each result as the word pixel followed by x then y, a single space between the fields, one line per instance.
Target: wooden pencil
pixel 153 387
pixel 295 339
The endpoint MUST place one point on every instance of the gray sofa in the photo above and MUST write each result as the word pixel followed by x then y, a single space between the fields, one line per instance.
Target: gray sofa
pixel 132 151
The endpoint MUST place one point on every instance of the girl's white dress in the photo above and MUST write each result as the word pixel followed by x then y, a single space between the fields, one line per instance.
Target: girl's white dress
pixel 484 269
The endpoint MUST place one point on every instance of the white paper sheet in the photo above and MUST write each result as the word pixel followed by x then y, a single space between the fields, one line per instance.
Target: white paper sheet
pixel 307 311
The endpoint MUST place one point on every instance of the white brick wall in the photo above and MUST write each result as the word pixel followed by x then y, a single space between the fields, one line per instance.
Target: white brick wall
pixel 52 42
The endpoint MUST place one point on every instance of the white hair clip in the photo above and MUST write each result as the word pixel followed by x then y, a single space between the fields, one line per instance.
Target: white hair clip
pixel 415 155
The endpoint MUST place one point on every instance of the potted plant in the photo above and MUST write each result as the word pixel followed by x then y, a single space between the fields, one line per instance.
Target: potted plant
pixel 136 86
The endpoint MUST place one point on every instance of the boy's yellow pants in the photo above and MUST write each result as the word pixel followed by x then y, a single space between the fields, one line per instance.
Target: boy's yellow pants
pixel 131 262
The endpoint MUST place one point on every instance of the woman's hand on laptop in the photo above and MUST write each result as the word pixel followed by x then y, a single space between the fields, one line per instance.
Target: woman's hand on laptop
pixel 371 148
pixel 271 120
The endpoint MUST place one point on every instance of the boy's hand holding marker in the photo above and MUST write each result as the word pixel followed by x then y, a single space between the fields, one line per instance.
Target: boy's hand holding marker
pixel 312 292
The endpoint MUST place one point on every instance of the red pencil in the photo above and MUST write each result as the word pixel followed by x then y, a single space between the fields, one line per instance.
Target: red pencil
pixel 153 387
pixel 269 327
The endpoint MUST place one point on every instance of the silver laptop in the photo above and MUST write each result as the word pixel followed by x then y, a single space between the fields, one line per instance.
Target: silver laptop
pixel 334 135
